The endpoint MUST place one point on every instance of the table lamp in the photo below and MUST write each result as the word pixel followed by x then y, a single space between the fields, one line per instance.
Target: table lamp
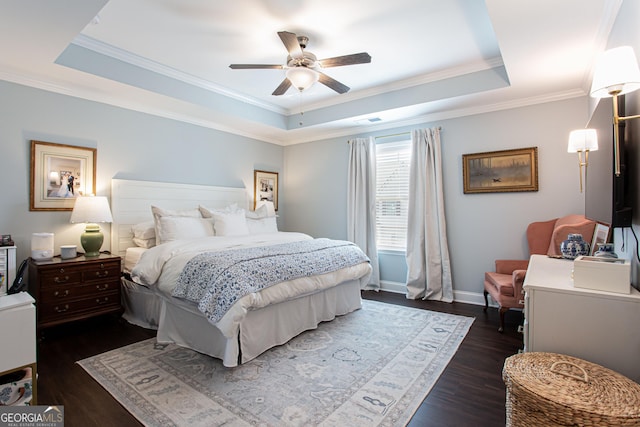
pixel 91 210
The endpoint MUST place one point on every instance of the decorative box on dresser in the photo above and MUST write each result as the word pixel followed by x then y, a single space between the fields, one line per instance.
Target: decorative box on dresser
pixel 597 326
pixel 73 289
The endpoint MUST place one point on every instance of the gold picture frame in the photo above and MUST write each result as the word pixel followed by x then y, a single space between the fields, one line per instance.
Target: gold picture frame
pixel 59 174
pixel 501 171
pixel 265 187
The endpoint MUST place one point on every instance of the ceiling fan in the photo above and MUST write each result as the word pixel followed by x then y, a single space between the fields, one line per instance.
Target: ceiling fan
pixel 303 68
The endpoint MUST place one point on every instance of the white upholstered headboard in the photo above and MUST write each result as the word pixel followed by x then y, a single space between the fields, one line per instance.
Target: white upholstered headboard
pixel 131 203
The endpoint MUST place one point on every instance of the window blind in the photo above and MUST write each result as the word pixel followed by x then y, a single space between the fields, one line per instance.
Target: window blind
pixel 392 194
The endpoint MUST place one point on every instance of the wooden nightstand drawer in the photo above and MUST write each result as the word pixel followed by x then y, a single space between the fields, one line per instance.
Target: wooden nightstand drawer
pixel 101 272
pixel 70 308
pixel 69 290
pixel 55 294
pixel 60 276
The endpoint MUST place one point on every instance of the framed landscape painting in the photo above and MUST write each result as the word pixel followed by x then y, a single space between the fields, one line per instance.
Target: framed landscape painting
pixel 59 174
pixel 501 171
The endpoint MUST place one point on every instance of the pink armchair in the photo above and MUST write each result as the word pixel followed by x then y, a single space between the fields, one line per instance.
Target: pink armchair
pixel 544 237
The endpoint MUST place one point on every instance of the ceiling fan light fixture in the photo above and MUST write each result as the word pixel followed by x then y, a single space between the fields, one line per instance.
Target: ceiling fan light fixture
pixel 302 78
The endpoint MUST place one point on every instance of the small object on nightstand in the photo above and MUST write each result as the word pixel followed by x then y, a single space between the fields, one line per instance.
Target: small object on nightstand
pixel 6 240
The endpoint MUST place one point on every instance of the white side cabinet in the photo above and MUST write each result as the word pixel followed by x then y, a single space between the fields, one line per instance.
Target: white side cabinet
pixel 7 267
pixel 597 326
pixel 18 336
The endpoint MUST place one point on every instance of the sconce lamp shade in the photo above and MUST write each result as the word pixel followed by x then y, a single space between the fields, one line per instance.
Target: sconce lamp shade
pixel 91 210
pixel 583 140
pixel 616 72
pixel 302 77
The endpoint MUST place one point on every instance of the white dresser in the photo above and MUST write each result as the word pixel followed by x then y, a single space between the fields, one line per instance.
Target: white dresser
pixel 597 326
pixel 7 267
pixel 18 336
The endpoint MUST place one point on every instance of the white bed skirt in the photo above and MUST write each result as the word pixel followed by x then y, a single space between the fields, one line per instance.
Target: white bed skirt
pixel 260 329
pixel 141 305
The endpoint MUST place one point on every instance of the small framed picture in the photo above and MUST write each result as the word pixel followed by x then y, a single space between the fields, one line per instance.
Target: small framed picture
pixel 265 187
pixel 600 235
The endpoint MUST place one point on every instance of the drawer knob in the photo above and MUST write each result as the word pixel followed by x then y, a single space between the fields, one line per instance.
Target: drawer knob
pixel 59 280
pixel 61 294
pixel 102 287
pixel 61 309
pixel 100 301
pixel 102 274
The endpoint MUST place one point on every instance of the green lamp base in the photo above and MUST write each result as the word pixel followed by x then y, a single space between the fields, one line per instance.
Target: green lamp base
pixel 91 240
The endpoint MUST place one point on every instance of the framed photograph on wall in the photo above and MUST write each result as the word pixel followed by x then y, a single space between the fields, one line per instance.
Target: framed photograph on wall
pixel 600 235
pixel 265 187
pixel 59 174
pixel 501 171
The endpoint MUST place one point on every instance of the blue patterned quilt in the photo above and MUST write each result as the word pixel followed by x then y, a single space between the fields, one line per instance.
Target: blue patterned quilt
pixel 216 280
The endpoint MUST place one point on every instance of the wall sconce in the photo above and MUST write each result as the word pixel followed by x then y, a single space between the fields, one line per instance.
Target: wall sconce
pixel 583 141
pixel 616 73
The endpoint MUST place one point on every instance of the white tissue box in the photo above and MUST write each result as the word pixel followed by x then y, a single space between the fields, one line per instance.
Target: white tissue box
pixel 602 274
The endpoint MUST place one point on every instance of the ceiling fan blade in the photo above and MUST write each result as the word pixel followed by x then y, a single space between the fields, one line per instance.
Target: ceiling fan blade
pixel 338 61
pixel 254 66
pixel 290 41
pixel 332 83
pixel 280 90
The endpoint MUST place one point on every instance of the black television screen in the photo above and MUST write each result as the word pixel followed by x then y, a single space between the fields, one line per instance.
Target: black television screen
pixel 608 197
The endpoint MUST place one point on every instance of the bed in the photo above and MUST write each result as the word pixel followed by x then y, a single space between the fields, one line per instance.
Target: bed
pixel 155 289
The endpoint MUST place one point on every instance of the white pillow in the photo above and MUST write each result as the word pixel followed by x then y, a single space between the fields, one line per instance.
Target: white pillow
pixel 230 224
pixel 208 212
pixel 144 230
pixel 183 227
pixel 145 243
pixel 158 213
pixel 261 212
pixel 262 225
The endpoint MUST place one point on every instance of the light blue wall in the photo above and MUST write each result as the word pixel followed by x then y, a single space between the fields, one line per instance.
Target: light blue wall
pixel 480 227
pixel 129 144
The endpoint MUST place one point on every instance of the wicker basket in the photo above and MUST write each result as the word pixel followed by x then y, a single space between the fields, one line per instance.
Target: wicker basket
pixel 548 389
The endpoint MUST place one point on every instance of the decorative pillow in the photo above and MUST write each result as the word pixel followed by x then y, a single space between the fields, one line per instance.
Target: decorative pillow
pixel 144 230
pixel 145 243
pixel 261 212
pixel 158 213
pixel 183 227
pixel 262 225
pixel 230 224
pixel 208 212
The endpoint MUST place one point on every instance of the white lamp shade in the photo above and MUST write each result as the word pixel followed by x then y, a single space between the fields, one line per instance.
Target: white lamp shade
pixel 91 209
pixel 302 77
pixel 582 140
pixel 616 70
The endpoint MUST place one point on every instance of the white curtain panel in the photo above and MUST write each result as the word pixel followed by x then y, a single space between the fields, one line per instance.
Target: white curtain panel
pixel 361 203
pixel 429 268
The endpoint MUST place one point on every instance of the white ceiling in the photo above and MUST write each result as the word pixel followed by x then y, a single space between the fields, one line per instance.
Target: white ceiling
pixel 431 59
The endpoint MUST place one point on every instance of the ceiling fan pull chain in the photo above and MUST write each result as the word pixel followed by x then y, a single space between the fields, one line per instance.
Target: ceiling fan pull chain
pixel 300 123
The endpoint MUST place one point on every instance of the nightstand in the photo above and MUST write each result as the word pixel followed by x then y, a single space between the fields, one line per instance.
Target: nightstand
pixel 67 290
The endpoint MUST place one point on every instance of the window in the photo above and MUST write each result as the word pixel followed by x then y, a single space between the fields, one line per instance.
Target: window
pixel 392 194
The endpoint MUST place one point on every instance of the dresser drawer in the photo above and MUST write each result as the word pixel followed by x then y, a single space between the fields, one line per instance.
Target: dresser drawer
pixel 67 308
pixel 60 276
pixel 55 294
pixel 101 272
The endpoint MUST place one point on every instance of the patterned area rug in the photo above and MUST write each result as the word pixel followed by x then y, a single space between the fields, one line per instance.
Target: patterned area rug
pixel 372 367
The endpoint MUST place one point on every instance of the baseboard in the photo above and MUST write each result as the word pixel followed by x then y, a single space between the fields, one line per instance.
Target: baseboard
pixel 466 297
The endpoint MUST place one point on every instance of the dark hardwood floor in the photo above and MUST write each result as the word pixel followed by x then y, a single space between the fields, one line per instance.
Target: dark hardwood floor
pixel 470 392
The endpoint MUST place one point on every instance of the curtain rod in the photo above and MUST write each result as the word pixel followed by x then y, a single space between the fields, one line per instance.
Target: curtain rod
pixel 396 134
